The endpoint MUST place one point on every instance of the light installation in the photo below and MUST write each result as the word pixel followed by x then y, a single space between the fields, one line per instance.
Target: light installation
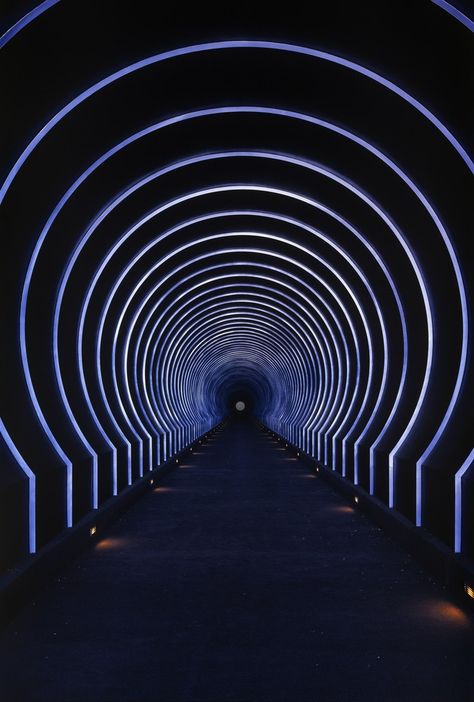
pixel 267 265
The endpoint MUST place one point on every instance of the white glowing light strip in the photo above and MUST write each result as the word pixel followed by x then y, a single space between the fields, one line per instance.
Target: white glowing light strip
pixel 458 506
pixel 178 348
pixel 359 236
pixel 119 397
pixel 31 486
pixel 310 272
pixel 227 275
pixel 454 12
pixel 229 364
pixel 201 329
pixel 448 414
pixel 89 403
pixel 117 426
pixel 80 433
pixel 260 354
pixel 207 365
pixel 25 21
pixel 236 337
pixel 237 290
pixel 195 311
pixel 222 45
pixel 417 192
pixel 138 314
pixel 211 238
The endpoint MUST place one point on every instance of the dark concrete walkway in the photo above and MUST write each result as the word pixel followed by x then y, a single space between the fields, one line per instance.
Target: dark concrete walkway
pixel 241 578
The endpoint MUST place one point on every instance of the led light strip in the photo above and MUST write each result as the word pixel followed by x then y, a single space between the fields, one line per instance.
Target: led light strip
pixel 454 12
pixel 255 349
pixel 422 286
pixel 216 46
pixel 31 477
pixel 253 276
pixel 372 453
pixel 269 294
pixel 197 242
pixel 25 21
pixel 340 251
pixel 240 336
pixel 458 478
pixel 432 444
pixel 208 322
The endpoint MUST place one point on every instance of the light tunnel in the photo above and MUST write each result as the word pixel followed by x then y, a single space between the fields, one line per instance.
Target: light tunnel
pixel 193 220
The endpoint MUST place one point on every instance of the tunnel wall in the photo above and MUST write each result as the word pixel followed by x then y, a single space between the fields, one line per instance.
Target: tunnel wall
pixel 192 206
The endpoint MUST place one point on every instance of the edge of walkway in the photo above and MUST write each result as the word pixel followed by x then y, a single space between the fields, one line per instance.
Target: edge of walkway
pixel 21 583
pixel 454 571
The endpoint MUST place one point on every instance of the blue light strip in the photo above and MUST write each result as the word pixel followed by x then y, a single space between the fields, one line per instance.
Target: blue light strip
pixel 365 282
pixel 318 169
pixel 228 275
pixel 457 387
pixel 215 46
pixel 458 275
pixel 463 470
pixel 196 242
pixel 25 21
pixel 31 487
pixel 180 315
pixel 249 331
pixel 454 12
pixel 268 293
pixel 199 331
pixel 349 321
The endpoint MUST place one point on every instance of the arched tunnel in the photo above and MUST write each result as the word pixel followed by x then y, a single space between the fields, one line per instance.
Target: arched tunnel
pixel 248 224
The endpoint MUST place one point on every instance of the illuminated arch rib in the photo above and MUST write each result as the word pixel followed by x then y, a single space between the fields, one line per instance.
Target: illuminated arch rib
pixel 160 285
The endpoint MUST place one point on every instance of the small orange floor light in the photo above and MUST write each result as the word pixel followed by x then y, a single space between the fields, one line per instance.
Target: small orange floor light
pixel 469 591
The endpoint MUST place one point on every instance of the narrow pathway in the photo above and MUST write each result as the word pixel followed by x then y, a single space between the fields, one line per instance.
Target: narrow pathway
pixel 242 577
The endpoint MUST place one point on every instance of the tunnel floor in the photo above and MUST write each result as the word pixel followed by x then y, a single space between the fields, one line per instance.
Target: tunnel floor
pixel 241 577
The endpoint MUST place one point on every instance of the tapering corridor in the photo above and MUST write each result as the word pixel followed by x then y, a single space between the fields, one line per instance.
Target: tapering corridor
pixel 236 378
pixel 242 576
